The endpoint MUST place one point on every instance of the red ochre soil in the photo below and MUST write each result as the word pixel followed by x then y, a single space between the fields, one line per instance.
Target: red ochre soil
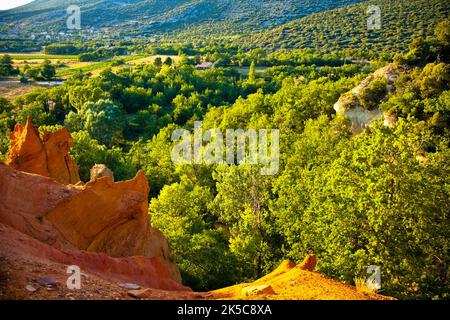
pixel 49 220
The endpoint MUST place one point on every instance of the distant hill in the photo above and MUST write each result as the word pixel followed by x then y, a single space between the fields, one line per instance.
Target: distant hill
pixel 347 27
pixel 160 16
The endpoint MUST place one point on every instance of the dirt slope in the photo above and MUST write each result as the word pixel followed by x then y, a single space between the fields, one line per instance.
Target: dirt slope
pixel 291 282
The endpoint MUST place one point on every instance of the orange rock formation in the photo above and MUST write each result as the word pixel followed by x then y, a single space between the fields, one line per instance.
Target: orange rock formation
pixel 47 157
pixel 72 224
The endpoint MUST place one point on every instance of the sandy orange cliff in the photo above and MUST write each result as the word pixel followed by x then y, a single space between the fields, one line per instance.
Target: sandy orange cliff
pixel 102 226
pixel 48 157
pixel 50 220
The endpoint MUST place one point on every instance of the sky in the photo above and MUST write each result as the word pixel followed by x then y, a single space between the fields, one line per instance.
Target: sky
pixel 9 4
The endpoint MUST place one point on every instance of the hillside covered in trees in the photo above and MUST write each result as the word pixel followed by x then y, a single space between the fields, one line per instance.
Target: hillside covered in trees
pixel 134 17
pixel 363 119
pixel 346 28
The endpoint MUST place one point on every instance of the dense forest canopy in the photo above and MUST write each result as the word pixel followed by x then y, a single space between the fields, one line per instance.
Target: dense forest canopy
pixel 346 28
pixel 134 17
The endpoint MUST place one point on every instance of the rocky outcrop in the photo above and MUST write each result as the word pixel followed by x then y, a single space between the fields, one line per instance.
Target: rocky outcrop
pixel 349 106
pixel 110 217
pixel 47 157
pixel 101 216
pixel 99 171
pixel 309 263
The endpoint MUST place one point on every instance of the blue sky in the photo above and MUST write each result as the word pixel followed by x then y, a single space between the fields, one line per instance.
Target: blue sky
pixel 8 4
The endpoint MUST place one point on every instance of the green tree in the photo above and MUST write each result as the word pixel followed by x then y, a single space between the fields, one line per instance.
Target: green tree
pixel 379 200
pixel 154 157
pixel 87 152
pixel 434 79
pixel 33 73
pixel 81 94
pixel 158 62
pixel 103 120
pixel 37 113
pixel 252 72
pixel 6 65
pixel 242 204
pixel 6 122
pixel 48 71
pixel 201 251
pixel 185 108
pixel 372 95
pixel 136 98
pixel 168 61
pixel 442 32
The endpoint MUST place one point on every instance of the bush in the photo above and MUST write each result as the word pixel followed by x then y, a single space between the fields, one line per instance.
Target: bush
pixel 60 49
pixel 372 95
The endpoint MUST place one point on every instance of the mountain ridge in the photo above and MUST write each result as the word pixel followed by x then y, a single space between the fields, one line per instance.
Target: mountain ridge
pixel 161 16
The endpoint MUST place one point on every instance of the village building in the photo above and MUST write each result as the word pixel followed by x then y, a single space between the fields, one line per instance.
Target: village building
pixel 204 66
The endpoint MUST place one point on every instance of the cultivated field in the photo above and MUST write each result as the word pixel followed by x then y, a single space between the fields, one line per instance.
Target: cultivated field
pixel 67 65
pixel 12 88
